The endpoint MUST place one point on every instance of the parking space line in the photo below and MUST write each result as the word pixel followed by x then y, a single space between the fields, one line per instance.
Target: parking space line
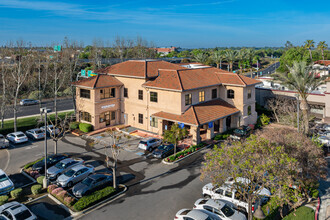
pixel 7 164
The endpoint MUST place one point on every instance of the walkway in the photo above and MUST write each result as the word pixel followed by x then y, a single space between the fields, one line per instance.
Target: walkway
pixel 325 195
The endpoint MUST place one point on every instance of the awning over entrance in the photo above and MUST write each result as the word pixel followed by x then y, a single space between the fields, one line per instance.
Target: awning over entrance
pixel 201 113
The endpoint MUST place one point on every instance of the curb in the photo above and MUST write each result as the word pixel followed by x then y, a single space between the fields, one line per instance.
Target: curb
pixel 28 176
pixel 27 116
pixel 86 211
pixel 41 197
pixel 171 163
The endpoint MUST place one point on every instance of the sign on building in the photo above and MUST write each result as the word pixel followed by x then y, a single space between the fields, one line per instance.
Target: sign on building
pixel 83 72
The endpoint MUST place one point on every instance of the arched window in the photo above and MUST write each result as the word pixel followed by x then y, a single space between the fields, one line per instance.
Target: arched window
pixel 249 110
pixel 230 94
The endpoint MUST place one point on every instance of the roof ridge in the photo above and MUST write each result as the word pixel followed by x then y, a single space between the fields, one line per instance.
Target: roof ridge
pixel 179 78
pixel 241 79
pixel 97 78
pixel 193 109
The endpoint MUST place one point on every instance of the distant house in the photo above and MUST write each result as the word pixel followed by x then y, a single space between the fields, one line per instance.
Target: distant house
pixel 321 67
pixel 165 50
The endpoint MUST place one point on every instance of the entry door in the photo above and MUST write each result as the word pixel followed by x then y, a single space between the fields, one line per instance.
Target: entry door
pixel 216 126
pixel 228 122
pixel 107 118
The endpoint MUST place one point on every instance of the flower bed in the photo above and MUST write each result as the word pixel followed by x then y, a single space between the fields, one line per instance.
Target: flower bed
pixel 185 152
pixel 34 174
pixel 62 195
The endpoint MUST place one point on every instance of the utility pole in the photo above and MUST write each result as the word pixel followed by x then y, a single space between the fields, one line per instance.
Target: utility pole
pixel 45 111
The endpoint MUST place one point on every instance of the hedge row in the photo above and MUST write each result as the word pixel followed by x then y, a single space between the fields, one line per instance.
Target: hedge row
pixel 185 152
pixel 85 127
pixel 93 198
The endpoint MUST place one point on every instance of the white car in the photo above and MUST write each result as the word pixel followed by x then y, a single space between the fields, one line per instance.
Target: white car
pixel 4 143
pixel 195 214
pixel 149 143
pixel 6 185
pixel 219 208
pixel 51 129
pixel 16 211
pixel 17 137
pixel 324 140
pixel 35 134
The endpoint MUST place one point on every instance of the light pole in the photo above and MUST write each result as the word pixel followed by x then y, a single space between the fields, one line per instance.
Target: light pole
pixel 45 111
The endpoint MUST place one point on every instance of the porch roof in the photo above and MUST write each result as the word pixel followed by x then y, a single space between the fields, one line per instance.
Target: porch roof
pixel 201 113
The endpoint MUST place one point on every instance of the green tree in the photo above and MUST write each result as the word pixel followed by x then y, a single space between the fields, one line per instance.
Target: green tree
pixel 201 57
pixel 247 163
pixel 309 44
pixel 174 135
pixel 301 80
pixel 288 45
pixel 291 55
pixel 231 57
pixel 250 54
pixel 322 46
pixel 241 58
pixel 217 57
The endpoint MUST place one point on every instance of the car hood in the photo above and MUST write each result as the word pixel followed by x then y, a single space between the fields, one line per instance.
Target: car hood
pixel 157 152
pixel 80 188
pixel 5 184
pixel 238 216
pixel 63 178
pixel 208 186
pixel 264 192
pixel 53 170
pixel 40 164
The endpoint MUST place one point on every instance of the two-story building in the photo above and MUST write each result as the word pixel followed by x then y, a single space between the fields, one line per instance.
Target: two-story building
pixel 152 95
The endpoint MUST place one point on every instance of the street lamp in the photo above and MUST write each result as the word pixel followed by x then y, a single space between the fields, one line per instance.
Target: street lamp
pixel 45 111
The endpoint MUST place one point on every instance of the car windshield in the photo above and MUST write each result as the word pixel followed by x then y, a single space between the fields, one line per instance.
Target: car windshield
pixel 20 135
pixel 38 131
pixel 227 210
pixel 69 173
pixel 3 177
pixel 23 215
pixel 164 147
pixel 87 181
pixel 143 142
pixel 60 165
pixel 239 131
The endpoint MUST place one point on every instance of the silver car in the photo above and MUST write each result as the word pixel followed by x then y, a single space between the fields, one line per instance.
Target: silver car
pixel 61 167
pixel 35 134
pixel 28 102
pixel 74 175
pixel 51 129
pixel 16 211
pixel 17 137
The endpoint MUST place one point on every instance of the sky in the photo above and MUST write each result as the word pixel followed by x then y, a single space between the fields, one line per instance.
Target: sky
pixel 186 24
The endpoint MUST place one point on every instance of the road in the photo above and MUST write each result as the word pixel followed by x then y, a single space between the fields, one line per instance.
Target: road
pixel 269 70
pixel 62 104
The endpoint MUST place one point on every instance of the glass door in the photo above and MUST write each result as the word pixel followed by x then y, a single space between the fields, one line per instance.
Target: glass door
pixel 107 118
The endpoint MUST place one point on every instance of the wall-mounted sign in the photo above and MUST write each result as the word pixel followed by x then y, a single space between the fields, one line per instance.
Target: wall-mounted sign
pixel 83 72
pixel 108 106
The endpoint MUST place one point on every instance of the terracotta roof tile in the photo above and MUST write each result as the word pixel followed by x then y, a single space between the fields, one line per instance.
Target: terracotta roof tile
pixel 99 81
pixel 324 62
pixel 201 113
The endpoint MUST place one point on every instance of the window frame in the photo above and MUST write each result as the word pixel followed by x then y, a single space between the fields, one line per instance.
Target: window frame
pixel 140 94
pixel 249 93
pixel 85 115
pixel 140 118
pixel 112 115
pixel 153 97
pixel 214 93
pixel 188 101
pixel 201 96
pixel 84 92
pixel 107 93
pixel 125 92
pixel 230 94
pixel 154 122
pixel 249 110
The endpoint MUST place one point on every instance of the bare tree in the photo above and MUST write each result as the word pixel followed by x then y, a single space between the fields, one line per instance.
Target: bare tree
pixel 60 128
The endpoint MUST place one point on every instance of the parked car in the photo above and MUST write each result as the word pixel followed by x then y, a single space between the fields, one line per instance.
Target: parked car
pixel 4 143
pixel 74 175
pixel 17 137
pixel 163 151
pixel 51 161
pixel 241 132
pixel 51 130
pixel 6 185
pixel 149 144
pixel 35 134
pixel 195 214
pixel 91 183
pixel 324 140
pixel 64 165
pixel 28 102
pixel 16 211
pixel 219 208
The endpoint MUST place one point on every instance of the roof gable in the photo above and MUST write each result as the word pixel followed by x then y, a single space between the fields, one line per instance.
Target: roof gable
pixel 99 81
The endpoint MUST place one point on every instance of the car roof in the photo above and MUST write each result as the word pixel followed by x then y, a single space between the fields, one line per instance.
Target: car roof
pixel 34 129
pixel 148 139
pixel 210 202
pixel 96 176
pixel 67 160
pixel 196 214
pixel 78 167
pixel 16 133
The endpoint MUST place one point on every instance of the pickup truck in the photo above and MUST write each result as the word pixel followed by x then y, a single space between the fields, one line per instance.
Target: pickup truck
pixel 4 143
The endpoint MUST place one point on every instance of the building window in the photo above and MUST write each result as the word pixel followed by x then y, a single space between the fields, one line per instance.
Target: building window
pixel 108 93
pixel 214 94
pixel 102 117
pixel 153 97
pixel 84 93
pixel 230 94
pixel 140 118
pixel 249 93
pixel 113 115
pixel 154 122
pixel 201 96
pixel 125 92
pixel 140 94
pixel 188 99
pixel 249 110
pixel 85 116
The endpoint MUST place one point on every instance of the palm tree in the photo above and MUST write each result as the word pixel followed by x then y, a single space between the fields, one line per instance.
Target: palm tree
pixel 322 46
pixel 241 58
pixel 301 79
pixel 250 54
pixel 309 44
pixel 217 57
pixel 200 58
pixel 231 56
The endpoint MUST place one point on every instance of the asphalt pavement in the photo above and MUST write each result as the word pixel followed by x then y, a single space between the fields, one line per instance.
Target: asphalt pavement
pixel 62 105
pixel 264 72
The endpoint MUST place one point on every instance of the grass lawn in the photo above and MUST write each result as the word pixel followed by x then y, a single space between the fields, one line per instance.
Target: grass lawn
pixel 301 213
pixel 24 124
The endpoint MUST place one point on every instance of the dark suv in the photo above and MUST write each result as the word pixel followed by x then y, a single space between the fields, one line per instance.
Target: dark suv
pixel 241 132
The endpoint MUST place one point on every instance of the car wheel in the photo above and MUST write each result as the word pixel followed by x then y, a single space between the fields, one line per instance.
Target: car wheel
pixel 69 185
pixel 207 196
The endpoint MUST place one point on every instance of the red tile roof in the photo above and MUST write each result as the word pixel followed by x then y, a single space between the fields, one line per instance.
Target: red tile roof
pixel 139 68
pixel 201 113
pixel 324 62
pixel 99 81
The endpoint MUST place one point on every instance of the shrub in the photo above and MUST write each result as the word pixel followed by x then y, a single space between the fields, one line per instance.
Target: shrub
pixel 91 199
pixel 16 193
pixel 34 95
pixel 61 195
pixel 3 199
pixel 34 174
pixel 36 189
pixel 85 127
pixel 264 120
pixel 74 125
pixel 40 179
pixel 68 201
pixel 51 188
pixel 67 91
pixel 32 163
pixel 57 190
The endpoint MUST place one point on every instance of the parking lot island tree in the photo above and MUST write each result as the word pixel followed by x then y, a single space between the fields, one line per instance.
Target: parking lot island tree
pixel 61 125
pixel 174 135
pixel 252 165
pixel 303 82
